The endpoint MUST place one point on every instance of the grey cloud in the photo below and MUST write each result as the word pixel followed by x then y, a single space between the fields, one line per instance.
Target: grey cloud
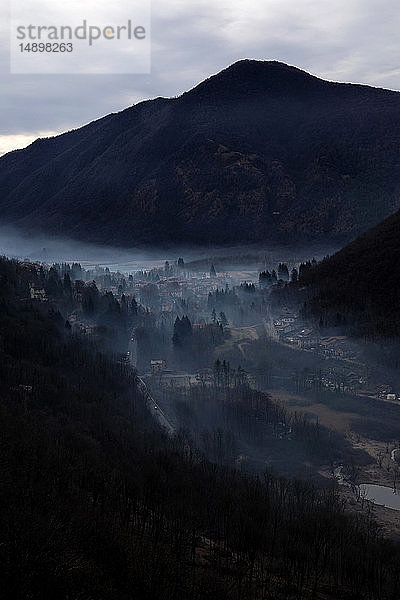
pixel 355 41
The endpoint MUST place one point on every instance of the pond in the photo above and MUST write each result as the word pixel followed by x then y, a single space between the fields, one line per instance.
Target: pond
pixel 379 494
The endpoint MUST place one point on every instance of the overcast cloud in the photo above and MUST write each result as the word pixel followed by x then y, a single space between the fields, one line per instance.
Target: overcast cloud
pixel 345 40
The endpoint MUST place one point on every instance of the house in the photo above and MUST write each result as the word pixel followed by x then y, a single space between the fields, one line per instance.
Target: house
pixel 199 325
pixel 26 389
pixel 204 376
pixel 157 366
pixel 334 345
pixel 37 293
pixel 283 331
pixel 307 342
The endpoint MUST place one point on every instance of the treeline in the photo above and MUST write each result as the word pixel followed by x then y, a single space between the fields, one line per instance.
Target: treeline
pixel 96 502
pixel 242 305
pixel 267 278
pixel 178 268
pixel 102 275
pixel 193 346
pixel 227 419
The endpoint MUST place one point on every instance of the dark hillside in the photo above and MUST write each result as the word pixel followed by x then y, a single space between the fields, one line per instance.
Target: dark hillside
pixel 359 287
pixel 261 151
pixel 97 503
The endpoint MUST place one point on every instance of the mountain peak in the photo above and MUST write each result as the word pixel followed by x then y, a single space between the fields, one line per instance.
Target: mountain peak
pixel 247 76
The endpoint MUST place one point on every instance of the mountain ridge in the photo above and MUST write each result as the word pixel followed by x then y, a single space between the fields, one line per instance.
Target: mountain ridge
pixel 261 151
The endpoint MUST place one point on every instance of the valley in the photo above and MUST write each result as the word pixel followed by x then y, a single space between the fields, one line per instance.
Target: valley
pixel 241 341
pixel 200 345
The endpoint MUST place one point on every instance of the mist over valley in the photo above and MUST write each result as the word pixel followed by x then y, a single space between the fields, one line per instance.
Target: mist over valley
pixel 199 347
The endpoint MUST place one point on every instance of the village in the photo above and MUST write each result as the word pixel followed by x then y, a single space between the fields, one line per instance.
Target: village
pixel 172 289
pixel 353 376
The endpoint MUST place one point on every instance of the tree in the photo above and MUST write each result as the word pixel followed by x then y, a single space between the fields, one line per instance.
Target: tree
pixel 265 279
pixel 134 306
pixel 182 331
pixel 90 300
pixel 283 272
pixel 217 372
pixel 304 267
pixel 67 285
pixel 53 285
pixel 241 377
pixel 294 275
pixel 222 319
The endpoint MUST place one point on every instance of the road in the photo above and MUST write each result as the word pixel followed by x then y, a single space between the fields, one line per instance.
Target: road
pixel 155 410
pixel 151 403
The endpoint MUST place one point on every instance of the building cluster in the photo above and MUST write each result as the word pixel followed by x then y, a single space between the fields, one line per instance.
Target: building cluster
pixel 168 293
pixel 157 366
pixel 386 392
pixel 37 293
pixel 289 329
pixel 80 325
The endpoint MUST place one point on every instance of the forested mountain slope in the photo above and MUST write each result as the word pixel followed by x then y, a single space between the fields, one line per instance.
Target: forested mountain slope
pixel 359 287
pixel 96 502
pixel 261 151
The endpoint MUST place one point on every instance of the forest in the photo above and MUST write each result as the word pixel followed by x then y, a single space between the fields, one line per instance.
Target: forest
pixel 357 288
pixel 97 502
pixel 237 425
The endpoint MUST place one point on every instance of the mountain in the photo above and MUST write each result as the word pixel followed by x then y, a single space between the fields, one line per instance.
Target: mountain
pixel 261 151
pixel 359 287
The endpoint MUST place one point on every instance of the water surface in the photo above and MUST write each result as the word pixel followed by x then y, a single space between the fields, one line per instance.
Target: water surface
pixel 379 494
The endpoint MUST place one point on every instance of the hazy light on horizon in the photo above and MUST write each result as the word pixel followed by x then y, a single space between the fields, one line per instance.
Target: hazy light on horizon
pixel 19 141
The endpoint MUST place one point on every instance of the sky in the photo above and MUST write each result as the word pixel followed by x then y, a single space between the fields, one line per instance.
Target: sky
pixel 346 40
